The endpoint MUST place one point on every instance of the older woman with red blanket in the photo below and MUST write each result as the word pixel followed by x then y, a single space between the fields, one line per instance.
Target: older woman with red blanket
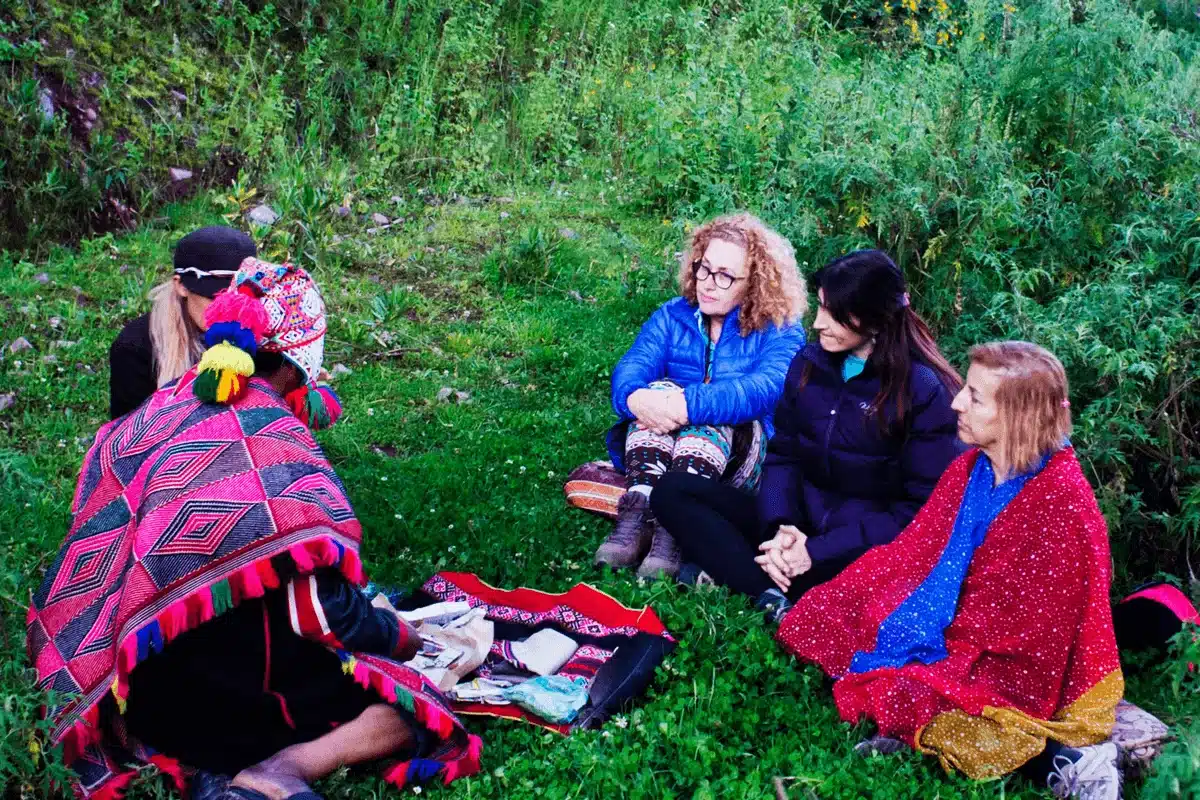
pixel 983 633
pixel 203 614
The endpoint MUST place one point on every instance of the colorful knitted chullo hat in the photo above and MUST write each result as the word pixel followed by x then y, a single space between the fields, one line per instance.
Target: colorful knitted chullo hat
pixel 275 308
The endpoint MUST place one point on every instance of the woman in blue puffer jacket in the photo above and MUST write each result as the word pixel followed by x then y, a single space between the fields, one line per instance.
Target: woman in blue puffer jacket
pixel 695 392
pixel 863 431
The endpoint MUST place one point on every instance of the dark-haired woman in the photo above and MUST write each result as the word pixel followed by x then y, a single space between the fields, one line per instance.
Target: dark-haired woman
pixel 863 432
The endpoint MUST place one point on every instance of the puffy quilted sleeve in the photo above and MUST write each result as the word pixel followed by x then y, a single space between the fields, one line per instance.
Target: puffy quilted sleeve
pixel 753 395
pixel 644 362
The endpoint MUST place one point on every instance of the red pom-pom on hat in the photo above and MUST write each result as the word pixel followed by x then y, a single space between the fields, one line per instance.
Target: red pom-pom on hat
pixel 244 309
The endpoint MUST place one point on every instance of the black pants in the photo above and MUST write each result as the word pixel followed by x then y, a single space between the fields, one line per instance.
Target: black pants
pixel 239 689
pixel 717 528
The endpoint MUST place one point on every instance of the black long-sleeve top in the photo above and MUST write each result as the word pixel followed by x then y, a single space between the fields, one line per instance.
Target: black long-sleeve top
pixel 133 373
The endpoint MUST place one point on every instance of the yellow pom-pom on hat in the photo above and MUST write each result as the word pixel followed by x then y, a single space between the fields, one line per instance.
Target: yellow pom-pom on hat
pixel 223 374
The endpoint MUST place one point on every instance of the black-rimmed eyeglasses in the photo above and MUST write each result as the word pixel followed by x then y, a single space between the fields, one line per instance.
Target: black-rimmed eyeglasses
pixel 723 279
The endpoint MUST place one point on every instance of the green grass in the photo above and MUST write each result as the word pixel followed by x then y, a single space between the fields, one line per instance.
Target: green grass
pixel 489 298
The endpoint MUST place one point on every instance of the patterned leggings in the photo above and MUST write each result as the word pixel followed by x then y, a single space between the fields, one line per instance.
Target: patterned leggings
pixel 699 449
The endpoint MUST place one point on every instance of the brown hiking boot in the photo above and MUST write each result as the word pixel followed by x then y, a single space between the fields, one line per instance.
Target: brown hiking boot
pixel 629 541
pixel 664 556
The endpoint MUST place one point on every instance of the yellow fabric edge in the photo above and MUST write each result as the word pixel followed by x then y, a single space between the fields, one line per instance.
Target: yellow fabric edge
pixel 1000 740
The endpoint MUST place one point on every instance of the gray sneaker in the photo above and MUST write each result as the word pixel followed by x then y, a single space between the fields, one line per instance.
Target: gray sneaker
pixel 628 542
pixel 692 575
pixel 664 556
pixel 774 604
pixel 879 746
pixel 1093 777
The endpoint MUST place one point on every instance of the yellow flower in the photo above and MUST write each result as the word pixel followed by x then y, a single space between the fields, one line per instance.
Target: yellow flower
pixel 863 219
pixel 666 223
pixel 982 36
pixel 1010 8
pixel 628 85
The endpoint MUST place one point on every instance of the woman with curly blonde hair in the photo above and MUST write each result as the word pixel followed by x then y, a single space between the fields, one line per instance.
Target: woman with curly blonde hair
pixel 863 431
pixel 696 390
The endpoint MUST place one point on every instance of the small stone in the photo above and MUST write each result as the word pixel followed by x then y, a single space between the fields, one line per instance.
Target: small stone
pixel 342 211
pixel 341 369
pixel 63 344
pixel 444 394
pixel 42 277
pixel 567 233
pixel 46 104
pixel 372 231
pixel 397 199
pixel 398 221
pixel 504 215
pixel 50 359
pixel 463 397
pixel 20 345
pixel 262 215
pixel 179 174
pixel 505 200
pixel 380 219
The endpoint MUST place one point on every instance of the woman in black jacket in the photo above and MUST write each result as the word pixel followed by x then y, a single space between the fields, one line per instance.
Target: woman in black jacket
pixel 863 432
pixel 156 348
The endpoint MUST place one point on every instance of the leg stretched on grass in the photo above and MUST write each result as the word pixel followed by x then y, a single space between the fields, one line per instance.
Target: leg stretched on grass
pixel 375 733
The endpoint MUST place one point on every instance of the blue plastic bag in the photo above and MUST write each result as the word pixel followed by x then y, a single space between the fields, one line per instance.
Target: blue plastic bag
pixel 554 698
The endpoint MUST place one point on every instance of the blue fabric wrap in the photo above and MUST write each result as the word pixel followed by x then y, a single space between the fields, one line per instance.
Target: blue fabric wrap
pixel 915 631
pixel 233 333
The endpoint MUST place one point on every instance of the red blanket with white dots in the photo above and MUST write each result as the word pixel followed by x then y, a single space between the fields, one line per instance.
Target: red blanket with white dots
pixel 1031 651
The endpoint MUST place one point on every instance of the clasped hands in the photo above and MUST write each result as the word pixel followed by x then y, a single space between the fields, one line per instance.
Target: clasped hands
pixel 785 556
pixel 661 411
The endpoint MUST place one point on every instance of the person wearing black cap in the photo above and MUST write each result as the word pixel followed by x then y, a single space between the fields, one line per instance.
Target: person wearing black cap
pixel 158 347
